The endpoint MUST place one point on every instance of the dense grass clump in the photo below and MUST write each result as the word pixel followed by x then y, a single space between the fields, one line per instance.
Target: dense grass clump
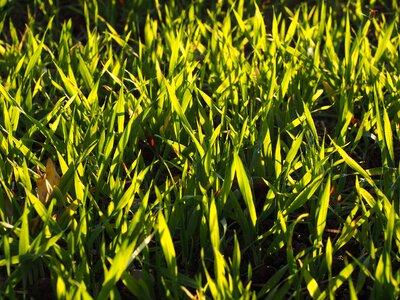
pixel 215 149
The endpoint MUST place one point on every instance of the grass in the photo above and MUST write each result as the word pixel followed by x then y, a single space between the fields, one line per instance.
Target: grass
pixel 224 150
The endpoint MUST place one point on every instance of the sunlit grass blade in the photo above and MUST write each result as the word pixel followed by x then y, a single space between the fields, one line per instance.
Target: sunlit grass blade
pixel 24 234
pixel 304 195
pixel 167 245
pixel 322 212
pixel 353 164
pixel 312 284
pixel 244 185
pixel 383 45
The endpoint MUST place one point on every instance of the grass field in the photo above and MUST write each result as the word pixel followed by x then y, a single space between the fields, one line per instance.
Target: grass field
pixel 216 150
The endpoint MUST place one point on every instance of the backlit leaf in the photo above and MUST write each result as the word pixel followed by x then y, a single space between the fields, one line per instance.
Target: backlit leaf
pixel 47 182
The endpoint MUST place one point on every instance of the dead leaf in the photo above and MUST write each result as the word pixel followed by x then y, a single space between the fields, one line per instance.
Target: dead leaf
pixel 46 183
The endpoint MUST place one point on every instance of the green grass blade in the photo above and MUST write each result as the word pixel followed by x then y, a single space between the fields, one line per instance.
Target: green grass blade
pixel 244 186
pixel 353 164
pixel 167 245
pixel 322 212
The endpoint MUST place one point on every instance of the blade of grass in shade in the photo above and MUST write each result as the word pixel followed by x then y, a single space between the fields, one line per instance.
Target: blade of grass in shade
pixel 123 141
pixel 118 265
pixel 341 278
pixel 390 228
pixel 7 255
pixel 363 265
pixel 281 290
pixel 228 180
pixel 322 20
pixel 272 282
pixel 140 288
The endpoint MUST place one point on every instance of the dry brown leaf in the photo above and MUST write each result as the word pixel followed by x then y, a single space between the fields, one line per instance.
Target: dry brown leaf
pixel 46 183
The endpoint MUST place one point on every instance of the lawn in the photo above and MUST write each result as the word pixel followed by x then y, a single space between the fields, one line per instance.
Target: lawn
pixel 199 149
